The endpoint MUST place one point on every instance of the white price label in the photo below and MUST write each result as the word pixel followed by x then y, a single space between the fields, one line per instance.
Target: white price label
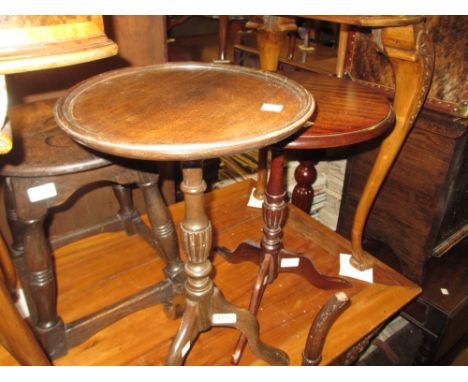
pixel 346 269
pixel 292 262
pixel 185 349
pixel 224 318
pixel 42 192
pixel 272 107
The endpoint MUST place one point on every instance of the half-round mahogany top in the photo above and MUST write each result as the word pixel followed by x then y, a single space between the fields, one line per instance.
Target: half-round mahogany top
pixel 346 112
pixel 183 111
pixel 41 148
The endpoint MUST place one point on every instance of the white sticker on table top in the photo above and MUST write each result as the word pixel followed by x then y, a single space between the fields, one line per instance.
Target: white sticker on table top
pixel 291 262
pixel 272 107
pixel 224 318
pixel 346 269
pixel 21 303
pixel 185 349
pixel 42 192
pixel 253 201
pixel 444 291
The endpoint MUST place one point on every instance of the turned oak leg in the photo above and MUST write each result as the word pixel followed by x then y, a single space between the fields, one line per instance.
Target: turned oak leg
pixel 162 228
pixel 127 211
pixel 42 286
pixel 204 302
pixel 412 69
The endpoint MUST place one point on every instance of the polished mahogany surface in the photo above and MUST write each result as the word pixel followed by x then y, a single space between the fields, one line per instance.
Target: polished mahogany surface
pixel 346 112
pixel 183 111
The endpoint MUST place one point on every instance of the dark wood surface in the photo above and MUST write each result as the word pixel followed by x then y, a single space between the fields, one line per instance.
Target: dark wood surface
pixel 98 271
pixel 346 112
pixel 421 210
pixel 442 308
pixel 41 148
pixel 183 111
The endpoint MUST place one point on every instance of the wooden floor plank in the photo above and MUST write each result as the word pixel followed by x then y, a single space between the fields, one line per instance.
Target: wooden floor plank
pixel 100 270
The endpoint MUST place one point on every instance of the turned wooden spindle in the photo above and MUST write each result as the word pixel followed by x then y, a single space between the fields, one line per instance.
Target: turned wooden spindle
pixel 303 193
pixel 205 304
pixel 43 286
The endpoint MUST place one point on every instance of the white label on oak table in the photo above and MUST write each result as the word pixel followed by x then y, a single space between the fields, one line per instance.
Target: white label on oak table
pixel 291 262
pixel 224 318
pixel 185 349
pixel 346 269
pixel 42 192
pixel 272 107
pixel 253 201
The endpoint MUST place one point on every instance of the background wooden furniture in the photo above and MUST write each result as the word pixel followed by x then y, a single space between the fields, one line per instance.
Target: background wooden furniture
pixel 141 41
pixel 72 169
pixel 405 41
pixel 425 195
pixel 198 98
pixel 435 154
pixel 31 43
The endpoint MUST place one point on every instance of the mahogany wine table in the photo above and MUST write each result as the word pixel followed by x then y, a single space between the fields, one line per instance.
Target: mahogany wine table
pixel 189 112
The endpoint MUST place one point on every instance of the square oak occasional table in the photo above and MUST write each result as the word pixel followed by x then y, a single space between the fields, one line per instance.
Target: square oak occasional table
pixel 189 112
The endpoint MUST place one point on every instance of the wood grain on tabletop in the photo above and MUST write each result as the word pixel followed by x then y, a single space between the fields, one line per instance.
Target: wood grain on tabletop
pixel 183 111
pixel 339 118
pixel 99 270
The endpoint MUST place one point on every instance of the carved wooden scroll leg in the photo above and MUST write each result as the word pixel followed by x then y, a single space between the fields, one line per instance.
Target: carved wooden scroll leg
pixel 246 251
pixel 291 262
pixel 327 315
pixel 411 54
pixel 186 336
pixel 246 322
pixel 261 282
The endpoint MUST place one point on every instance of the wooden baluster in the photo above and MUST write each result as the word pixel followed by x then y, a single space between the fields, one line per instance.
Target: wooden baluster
pixel 410 52
pixel 162 228
pixel 42 284
pixel 303 193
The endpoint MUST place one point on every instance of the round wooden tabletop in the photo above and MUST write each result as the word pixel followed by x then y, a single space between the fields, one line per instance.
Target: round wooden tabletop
pixel 183 111
pixel 347 112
